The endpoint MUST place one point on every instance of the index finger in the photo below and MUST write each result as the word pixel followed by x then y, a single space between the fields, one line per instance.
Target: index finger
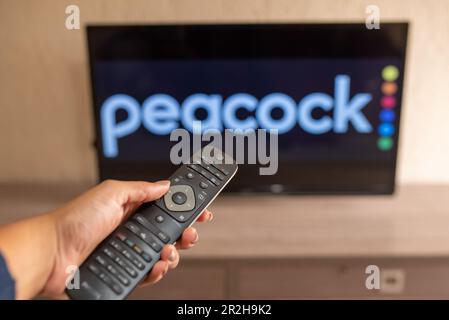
pixel 205 216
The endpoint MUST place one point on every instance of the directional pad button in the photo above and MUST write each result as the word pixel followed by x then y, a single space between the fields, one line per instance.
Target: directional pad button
pixel 180 198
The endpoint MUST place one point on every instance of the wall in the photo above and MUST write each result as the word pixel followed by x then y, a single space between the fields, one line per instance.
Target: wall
pixel 45 121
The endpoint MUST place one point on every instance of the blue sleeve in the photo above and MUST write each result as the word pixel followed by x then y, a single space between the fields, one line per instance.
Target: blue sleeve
pixel 7 283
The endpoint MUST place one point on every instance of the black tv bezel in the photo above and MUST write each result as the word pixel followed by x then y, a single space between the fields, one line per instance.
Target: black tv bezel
pixel 123 42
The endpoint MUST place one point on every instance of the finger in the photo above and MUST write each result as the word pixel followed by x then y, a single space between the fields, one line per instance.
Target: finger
pixel 205 216
pixel 137 191
pixel 188 239
pixel 141 191
pixel 170 255
pixel 159 270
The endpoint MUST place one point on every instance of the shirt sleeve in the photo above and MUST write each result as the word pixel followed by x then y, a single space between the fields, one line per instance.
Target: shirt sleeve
pixel 7 283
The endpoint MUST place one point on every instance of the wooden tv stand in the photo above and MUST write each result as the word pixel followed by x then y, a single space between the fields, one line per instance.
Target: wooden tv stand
pixel 276 246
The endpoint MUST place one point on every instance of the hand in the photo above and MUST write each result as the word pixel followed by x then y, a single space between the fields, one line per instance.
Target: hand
pixel 84 222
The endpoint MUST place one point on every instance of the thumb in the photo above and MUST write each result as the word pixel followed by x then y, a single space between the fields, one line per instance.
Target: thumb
pixel 141 191
pixel 153 191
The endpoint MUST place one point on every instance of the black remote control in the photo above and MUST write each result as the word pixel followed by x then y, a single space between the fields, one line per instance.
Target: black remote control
pixel 126 256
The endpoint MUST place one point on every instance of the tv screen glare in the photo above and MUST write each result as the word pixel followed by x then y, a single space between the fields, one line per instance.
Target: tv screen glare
pixel 333 92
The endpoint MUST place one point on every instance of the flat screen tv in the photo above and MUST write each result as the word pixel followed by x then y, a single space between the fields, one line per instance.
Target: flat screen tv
pixel 335 91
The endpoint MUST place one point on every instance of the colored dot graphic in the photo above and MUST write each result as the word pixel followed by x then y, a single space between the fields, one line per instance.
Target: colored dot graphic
pixel 386 129
pixel 385 144
pixel 387 116
pixel 390 73
pixel 388 102
pixel 389 88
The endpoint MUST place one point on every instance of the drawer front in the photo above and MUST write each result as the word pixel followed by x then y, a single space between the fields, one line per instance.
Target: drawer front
pixel 341 279
pixel 188 281
pixel 405 278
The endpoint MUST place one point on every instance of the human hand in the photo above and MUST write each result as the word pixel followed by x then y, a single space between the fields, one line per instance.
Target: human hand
pixel 84 222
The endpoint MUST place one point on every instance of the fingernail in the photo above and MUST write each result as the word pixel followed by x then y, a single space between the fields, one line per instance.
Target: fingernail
pixel 163 183
pixel 172 255
pixel 211 216
pixel 196 239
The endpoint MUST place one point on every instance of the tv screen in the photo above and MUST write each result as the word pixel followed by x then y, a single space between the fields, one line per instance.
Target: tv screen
pixel 333 92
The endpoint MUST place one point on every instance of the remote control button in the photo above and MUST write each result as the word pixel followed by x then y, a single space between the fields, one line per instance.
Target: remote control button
pixel 105 279
pixel 205 174
pixel 214 171
pixel 120 262
pixel 91 292
pixel 159 219
pixel 125 266
pixel 222 168
pixel 138 264
pixel 145 236
pixel 203 185
pixel 156 246
pixel 214 181
pixel 133 259
pixel 117 289
pixel 127 254
pixel 219 175
pixel 112 270
pixel 202 196
pixel 121 236
pixel 109 253
pixel 194 167
pixel 133 228
pixel 118 275
pixel 116 245
pixel 94 269
pixel 124 280
pixel 146 257
pixel 130 243
pixel 188 205
pixel 179 198
pixel 163 237
pixel 130 271
pixel 190 175
pixel 110 283
pixel 137 249
pixel 100 260
pixel 177 179
pixel 155 230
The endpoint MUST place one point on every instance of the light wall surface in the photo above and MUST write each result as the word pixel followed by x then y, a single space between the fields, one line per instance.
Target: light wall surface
pixel 46 126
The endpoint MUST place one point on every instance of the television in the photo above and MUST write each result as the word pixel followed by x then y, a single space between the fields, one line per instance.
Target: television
pixel 333 92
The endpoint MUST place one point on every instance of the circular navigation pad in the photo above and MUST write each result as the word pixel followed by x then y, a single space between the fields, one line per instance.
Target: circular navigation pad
pixel 179 198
